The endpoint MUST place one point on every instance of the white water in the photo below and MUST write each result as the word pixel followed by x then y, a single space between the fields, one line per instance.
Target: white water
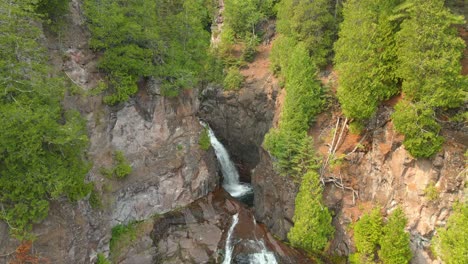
pixel 237 189
pixel 264 256
pixel 231 177
pixel 228 249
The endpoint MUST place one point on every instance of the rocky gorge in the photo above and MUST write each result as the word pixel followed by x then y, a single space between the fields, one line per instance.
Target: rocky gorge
pixel 173 194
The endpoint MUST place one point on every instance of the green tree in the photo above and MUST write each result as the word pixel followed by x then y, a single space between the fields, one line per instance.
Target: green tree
pixel 242 16
pixel 365 56
pixel 312 221
pixel 429 53
pixel 451 241
pixel 310 22
pixel 303 101
pixel 41 145
pixel 417 122
pixel 395 242
pixel 367 235
pixel 141 38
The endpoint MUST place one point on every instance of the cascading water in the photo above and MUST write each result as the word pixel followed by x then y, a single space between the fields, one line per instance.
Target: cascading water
pixel 229 248
pixel 231 181
pixel 237 189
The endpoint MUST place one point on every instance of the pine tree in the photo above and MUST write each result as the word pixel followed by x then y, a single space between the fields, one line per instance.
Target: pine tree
pixel 451 241
pixel 367 235
pixel 395 242
pixel 365 56
pixel 312 221
pixel 41 145
pixel 429 53
pixel 309 22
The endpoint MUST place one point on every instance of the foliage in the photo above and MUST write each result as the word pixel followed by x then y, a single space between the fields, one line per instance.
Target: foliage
pixel 242 16
pixel 416 121
pixel 121 167
pixel 101 259
pixel 367 235
pixel 303 101
pixel 366 56
pixel 53 10
pixel 429 52
pixel 233 80
pixel 309 22
pixel 429 55
pixel 431 192
pixel 280 53
pixel 122 233
pixel 395 242
pixel 388 241
pixel 312 220
pixel 41 145
pixel 95 199
pixel 451 241
pixel 204 140
pixel 141 38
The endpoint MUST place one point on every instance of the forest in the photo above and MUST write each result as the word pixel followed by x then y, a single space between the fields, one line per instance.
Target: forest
pixel 381 49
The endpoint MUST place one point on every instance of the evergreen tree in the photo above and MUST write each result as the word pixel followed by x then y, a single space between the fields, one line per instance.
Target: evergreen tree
pixel 451 241
pixel 365 56
pixel 429 54
pixel 242 16
pixel 395 242
pixel 41 145
pixel 367 235
pixel 312 221
pixel 310 22
pixel 141 38
pixel 303 101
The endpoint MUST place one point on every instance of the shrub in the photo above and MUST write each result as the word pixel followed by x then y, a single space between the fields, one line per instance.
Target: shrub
pixel 101 259
pixel 204 140
pixel 122 234
pixel 95 199
pixel 121 168
pixel 431 192
pixel 233 79
pixel 416 121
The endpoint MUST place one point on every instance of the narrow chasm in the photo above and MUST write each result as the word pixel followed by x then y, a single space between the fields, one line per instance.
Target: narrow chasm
pixel 239 121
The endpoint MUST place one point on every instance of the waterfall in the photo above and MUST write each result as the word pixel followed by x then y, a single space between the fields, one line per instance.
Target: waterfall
pixel 228 248
pixel 237 189
pixel 231 177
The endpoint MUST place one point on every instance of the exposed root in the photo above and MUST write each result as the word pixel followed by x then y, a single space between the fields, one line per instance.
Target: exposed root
pixel 338 182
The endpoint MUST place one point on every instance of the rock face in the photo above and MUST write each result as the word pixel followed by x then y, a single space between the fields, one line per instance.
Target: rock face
pixel 241 119
pixel 274 197
pixel 198 233
pixel 382 173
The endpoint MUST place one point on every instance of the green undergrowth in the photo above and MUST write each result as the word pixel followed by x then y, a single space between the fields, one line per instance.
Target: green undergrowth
pixel 121 167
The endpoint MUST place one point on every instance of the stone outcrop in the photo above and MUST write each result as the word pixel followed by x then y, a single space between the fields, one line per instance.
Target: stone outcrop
pixel 197 233
pixel 274 196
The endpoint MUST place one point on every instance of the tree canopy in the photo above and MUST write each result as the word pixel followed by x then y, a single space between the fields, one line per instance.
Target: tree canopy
pixel 141 38
pixel 366 56
pixel 41 145
pixel 451 241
